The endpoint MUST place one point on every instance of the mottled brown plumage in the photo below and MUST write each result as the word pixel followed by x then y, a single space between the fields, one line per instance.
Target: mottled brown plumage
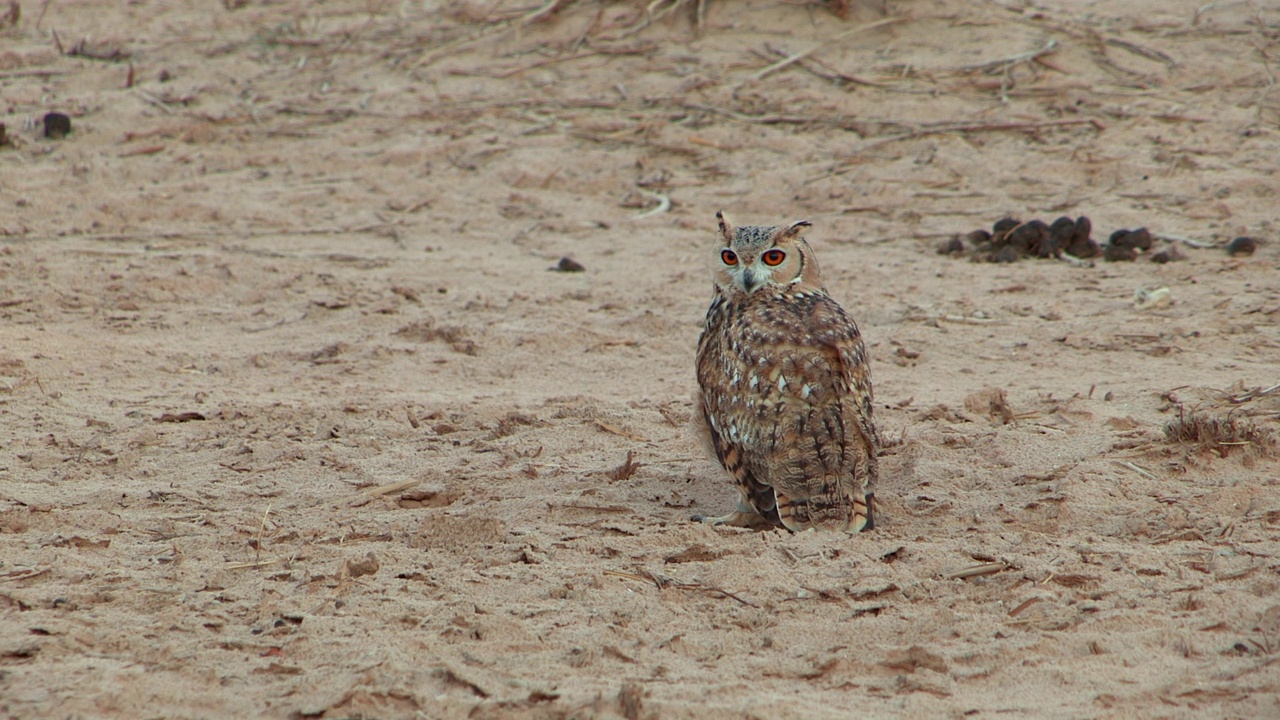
pixel 784 397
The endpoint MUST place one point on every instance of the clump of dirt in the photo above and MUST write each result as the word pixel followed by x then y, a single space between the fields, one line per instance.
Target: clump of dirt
pixel 428 331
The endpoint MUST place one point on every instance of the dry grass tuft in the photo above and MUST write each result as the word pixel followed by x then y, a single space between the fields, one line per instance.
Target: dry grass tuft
pixel 1222 434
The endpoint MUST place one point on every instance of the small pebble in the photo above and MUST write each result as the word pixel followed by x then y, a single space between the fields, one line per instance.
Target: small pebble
pixel 568 264
pixel 1242 246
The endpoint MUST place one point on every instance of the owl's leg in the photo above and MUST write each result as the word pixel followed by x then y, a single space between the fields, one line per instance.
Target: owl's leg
pixel 786 513
pixel 744 516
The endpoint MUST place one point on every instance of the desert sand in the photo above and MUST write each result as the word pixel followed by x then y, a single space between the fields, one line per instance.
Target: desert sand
pixel 299 421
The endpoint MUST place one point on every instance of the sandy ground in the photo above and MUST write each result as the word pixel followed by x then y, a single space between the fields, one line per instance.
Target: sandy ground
pixel 297 421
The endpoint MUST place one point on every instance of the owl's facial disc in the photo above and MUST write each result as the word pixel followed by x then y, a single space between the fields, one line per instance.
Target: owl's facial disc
pixel 744 270
pixel 752 277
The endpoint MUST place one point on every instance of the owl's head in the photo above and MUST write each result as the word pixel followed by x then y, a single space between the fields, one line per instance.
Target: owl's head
pixel 753 257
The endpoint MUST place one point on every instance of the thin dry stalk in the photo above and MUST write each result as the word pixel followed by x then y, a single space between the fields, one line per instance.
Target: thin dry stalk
pixel 796 57
pixel 1004 64
pixel 1144 473
pixel 595 52
pixel 546 10
pixel 1254 394
pixel 978 127
pixel 629 576
pixel 653 12
pixel 1141 51
pixel 32 73
pixel 976 571
pixel 663 581
pixel 820 69
pixel 262 531
pixel 255 564
pixel 838 121
pixel 391 487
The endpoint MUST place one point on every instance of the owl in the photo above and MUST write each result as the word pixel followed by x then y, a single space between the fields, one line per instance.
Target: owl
pixel 784 390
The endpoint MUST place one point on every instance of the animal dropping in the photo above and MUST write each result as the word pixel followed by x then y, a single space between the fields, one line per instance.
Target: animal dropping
pixel 56 125
pixel 784 390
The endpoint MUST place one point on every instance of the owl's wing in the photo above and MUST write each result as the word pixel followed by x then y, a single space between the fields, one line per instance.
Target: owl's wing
pixel 821 459
pixel 756 497
pixel 728 419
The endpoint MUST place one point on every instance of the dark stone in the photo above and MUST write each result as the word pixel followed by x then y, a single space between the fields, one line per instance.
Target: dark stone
pixel 568 264
pixel 1242 246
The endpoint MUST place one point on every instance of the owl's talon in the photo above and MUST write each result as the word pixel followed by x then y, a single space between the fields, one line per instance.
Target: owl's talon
pixel 737 518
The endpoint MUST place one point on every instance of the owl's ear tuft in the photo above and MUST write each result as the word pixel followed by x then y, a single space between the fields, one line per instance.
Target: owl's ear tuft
pixel 726 227
pixel 794 228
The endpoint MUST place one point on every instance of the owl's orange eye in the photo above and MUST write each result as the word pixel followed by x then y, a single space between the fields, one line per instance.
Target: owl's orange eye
pixel 728 257
pixel 773 257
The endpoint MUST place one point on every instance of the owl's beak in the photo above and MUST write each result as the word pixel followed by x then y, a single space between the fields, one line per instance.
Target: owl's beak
pixel 751 279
